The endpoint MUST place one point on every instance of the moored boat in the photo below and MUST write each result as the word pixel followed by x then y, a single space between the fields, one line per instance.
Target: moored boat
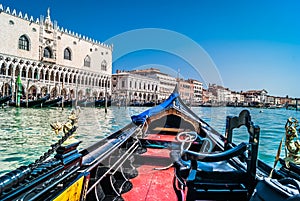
pixel 4 99
pixel 95 103
pixel 69 103
pixel 101 103
pixel 31 103
pixel 165 153
pixel 52 102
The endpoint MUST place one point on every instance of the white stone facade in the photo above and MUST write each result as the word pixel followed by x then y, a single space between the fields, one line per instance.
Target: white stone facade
pixel 50 59
pixel 186 90
pixel 134 87
pixel 166 82
pixel 197 91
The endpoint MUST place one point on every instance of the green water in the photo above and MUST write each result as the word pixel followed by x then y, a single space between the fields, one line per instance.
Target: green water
pixel 25 134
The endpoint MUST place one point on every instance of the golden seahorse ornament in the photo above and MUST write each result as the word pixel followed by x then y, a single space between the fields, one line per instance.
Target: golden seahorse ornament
pixel 72 121
pixel 292 143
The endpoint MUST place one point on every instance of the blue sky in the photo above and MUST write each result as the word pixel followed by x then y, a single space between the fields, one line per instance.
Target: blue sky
pixel 251 44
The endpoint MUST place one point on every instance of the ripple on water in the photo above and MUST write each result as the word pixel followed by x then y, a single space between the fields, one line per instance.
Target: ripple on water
pixel 25 134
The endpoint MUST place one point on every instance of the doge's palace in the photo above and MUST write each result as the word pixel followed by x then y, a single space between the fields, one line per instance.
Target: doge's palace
pixel 51 59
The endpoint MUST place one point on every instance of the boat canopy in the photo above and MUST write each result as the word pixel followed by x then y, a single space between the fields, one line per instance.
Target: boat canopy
pixel 141 118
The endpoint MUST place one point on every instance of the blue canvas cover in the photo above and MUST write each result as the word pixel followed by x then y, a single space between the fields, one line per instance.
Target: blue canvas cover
pixel 141 118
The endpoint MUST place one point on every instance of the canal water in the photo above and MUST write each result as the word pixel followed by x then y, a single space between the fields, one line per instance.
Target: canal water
pixel 25 133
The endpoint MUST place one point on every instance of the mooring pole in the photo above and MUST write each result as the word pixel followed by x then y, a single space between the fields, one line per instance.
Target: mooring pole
pixel 105 100
pixel 62 99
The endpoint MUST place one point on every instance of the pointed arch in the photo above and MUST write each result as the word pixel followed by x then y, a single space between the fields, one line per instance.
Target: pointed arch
pixel 52 76
pixel 61 77
pixel 66 78
pixel 36 74
pixel 10 70
pixel 48 52
pixel 87 61
pixel 23 72
pixel 17 71
pixel 24 43
pixel 68 54
pixel 42 74
pixel 57 76
pixel 104 65
pixel 70 78
pixel 30 72
pixel 74 78
pixel 3 69
pixel 47 75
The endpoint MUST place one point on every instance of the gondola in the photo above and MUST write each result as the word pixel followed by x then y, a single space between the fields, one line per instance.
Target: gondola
pixel 95 103
pixel 52 102
pixel 101 103
pixel 146 104
pixel 69 103
pixel 4 99
pixel 165 153
pixel 31 103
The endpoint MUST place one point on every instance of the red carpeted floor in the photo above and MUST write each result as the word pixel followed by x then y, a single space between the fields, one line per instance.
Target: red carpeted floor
pixel 151 184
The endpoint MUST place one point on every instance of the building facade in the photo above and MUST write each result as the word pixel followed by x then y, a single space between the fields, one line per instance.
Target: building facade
pixel 256 96
pixel 166 85
pixel 222 94
pixel 186 90
pixel 131 88
pixel 197 91
pixel 50 59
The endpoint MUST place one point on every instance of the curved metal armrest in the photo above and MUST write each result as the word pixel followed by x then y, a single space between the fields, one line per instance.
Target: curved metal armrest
pixel 215 157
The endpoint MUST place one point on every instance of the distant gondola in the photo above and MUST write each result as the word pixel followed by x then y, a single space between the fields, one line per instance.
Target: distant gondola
pixel 101 103
pixel 31 103
pixel 52 103
pixel 96 103
pixel 4 99
pixel 69 103
pixel 146 104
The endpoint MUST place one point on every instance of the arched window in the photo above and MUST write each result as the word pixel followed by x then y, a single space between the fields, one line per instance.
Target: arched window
pixel 52 76
pixel 3 70
pixel 87 61
pixel 47 75
pixel 42 74
pixel 104 65
pixel 36 76
pixel 30 73
pixel 24 43
pixel 67 54
pixel 23 74
pixel 47 52
pixel 57 77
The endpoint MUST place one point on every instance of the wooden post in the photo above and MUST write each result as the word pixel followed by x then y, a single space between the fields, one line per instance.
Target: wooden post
pixel 105 100
pixel 62 100
pixel 76 94
pixel 27 93
pixel 18 91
